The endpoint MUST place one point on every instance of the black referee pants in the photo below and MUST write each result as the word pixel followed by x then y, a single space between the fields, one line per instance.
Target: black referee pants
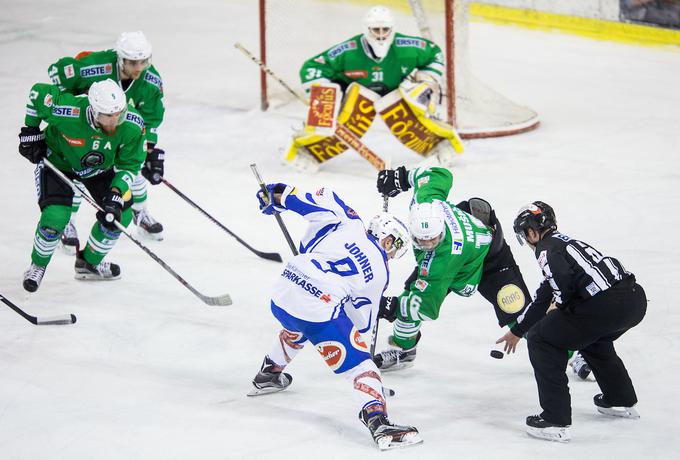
pixel 591 327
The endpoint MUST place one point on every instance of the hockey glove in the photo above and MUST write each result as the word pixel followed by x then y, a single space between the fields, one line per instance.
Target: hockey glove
pixel 266 206
pixel 112 208
pixel 388 308
pixel 153 166
pixel 32 144
pixel 392 182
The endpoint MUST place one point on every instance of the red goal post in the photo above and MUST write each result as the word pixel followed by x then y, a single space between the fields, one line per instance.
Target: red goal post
pixel 292 31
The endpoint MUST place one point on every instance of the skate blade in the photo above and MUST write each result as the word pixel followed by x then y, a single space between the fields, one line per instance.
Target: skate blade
pixel 68 249
pixel 91 277
pixel 557 434
pixel 398 367
pixel 623 412
pixel 407 440
pixel 149 236
pixel 264 391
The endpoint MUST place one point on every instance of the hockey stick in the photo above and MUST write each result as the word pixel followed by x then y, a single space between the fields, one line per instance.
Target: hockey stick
pixel 347 136
pixel 222 300
pixel 279 220
pixel 48 321
pixel 275 256
pixel 374 339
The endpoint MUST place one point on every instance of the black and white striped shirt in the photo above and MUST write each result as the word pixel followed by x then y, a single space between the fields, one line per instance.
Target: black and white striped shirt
pixel 574 271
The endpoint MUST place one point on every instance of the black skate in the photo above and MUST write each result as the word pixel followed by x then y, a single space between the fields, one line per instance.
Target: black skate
pixel 539 428
pixel 580 366
pixel 387 435
pixel 603 407
pixel 268 380
pixel 147 225
pixel 104 271
pixel 395 359
pixel 69 239
pixel 32 277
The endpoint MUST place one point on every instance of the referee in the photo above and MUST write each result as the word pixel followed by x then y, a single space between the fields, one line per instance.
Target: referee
pixel 597 301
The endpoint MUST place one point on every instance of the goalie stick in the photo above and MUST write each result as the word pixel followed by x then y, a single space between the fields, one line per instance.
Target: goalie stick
pixel 347 136
pixel 47 321
pixel 275 256
pixel 222 300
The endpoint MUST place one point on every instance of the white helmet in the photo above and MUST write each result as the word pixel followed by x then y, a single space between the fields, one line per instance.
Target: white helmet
pixel 383 225
pixel 427 222
pixel 107 97
pixel 379 30
pixel 133 46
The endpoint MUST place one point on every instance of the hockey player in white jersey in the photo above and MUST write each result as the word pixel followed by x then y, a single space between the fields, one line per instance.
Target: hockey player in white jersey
pixel 329 295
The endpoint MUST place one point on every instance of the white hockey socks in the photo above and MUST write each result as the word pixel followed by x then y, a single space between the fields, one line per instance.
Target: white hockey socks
pixel 286 346
pixel 367 385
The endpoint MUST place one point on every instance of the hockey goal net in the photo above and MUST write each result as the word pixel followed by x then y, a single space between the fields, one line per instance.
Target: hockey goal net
pixel 292 31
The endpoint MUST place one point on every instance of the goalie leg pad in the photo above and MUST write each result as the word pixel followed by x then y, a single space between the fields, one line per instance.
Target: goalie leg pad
pixel 412 127
pixel 357 115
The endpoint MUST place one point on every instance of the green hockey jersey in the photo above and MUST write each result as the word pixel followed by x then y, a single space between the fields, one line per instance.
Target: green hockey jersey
pixel 456 263
pixel 75 75
pixel 76 146
pixel 352 61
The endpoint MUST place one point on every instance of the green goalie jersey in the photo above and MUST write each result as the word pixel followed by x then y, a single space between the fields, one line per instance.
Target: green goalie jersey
pixel 456 263
pixel 351 61
pixel 75 75
pixel 76 146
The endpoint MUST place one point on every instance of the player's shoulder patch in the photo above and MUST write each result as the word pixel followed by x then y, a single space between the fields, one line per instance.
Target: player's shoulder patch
pixel 342 48
pixel 96 70
pixel 421 285
pixel 66 111
pixel 404 41
pixel 153 78
pixel 135 118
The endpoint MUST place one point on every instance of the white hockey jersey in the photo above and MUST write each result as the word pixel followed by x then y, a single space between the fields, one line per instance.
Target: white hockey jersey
pixel 339 266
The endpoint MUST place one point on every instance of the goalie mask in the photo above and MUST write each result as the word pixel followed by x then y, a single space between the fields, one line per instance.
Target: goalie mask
pixel 108 104
pixel 379 30
pixel 385 225
pixel 537 215
pixel 134 48
pixel 427 225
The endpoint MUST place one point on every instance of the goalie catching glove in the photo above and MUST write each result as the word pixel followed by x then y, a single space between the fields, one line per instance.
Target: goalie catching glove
pixel 392 182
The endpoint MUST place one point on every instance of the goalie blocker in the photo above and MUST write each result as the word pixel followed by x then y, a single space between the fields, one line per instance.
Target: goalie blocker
pixel 406 111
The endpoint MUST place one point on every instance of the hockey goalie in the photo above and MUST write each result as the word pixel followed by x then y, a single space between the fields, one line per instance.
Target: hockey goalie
pixel 376 72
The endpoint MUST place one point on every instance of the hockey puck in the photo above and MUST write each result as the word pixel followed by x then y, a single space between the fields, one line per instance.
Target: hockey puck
pixel 389 391
pixel 73 318
pixel 496 354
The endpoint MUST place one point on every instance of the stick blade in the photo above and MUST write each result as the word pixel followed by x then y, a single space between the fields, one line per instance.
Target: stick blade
pixel 220 301
pixel 56 320
pixel 275 256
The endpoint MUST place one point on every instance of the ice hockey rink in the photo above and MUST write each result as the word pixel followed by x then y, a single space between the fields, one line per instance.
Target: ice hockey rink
pixel 150 372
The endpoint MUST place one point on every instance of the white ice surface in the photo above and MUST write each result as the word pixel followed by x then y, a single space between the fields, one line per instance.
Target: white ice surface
pixel 149 372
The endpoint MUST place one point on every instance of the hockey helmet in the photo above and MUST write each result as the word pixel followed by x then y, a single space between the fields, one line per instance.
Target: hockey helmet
pixel 537 215
pixel 379 30
pixel 107 98
pixel 427 225
pixel 383 225
pixel 133 46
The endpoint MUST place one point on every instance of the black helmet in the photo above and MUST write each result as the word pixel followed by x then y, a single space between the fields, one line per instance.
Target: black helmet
pixel 537 215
